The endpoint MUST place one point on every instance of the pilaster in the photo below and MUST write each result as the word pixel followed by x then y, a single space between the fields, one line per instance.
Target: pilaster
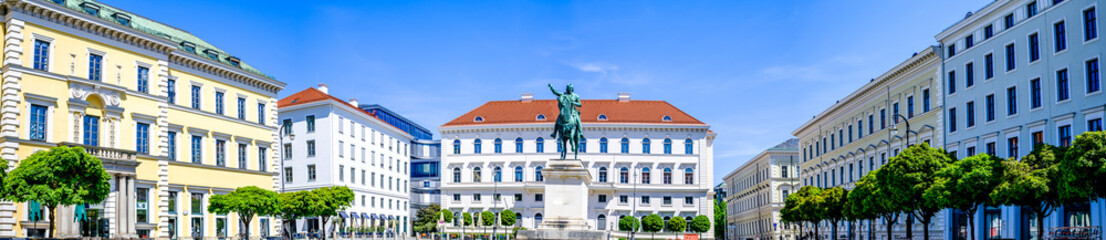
pixel 163 150
pixel 9 114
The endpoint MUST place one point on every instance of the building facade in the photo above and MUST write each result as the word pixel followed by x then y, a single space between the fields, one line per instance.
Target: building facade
pixel 759 188
pixel 157 105
pixel 425 158
pixel 1019 73
pixel 330 142
pixel 861 132
pixel 644 157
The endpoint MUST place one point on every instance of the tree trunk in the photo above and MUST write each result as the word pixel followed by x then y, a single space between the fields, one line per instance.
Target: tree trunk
pixel 800 230
pixel 870 230
pixel 971 225
pixel 1040 225
pixel 890 222
pixel 816 235
pixel 50 230
pixel 909 226
pixel 925 227
pixel 833 230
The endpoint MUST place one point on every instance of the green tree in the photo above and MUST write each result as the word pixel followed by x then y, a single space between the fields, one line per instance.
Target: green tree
pixel 487 218
pixel 1032 183
pixel 880 201
pixel 466 221
pixel 910 174
pixel 832 205
pixel 1083 170
pixel 808 207
pixel 507 217
pixel 294 205
pixel 59 176
pixel 247 202
pixel 330 200
pixel 966 184
pixel 720 218
pixel 790 212
pixel 447 216
pixel 701 224
pixel 629 224
pixel 427 218
pixel 855 206
pixel 652 223
pixel 676 224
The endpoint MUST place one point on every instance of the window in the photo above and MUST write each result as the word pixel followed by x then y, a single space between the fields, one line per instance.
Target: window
pixel 221 153
pixel 667 176
pixel 969 41
pixel 456 198
pixel 909 113
pixel 1035 93
pixel 624 175
pixel 990 101
pixel 602 198
pixel 1093 83
pixel 498 145
pixel 310 148
pixel 1094 124
pixel 666 200
pixel 970 114
pixel 859 130
pixel 261 113
pixel 690 200
pixel 952 82
pixel 583 146
pixel 538 198
pixel 476 197
pixel 969 75
pixel 688 146
pixel 645 176
pixel 288 174
pixel 456 175
pixel 623 199
pixel 667 146
pixel 603 174
pixel 219 102
pixel 242 108
pixel 91 130
pixel 497 174
pixel 1031 9
pixel 1010 60
pixel 1012 147
pixel 689 176
pixel 311 172
pixel 476 146
pixel 42 55
pixel 476 175
pixel 1090 27
pixel 172 139
pixel 456 146
pixel 287 152
pixel 1011 101
pixel 518 174
pixel 142 138
pixel 603 145
pixel 625 145
pixel 540 145
pixel 988 66
pixel 644 199
pixel 1059 36
pixel 1062 92
pixel 242 156
pixel 143 79
pixel 1034 48
pixel 952 119
pixel 988 32
pixel 1065 135
pixel 1008 22
pixel 172 202
pixel 195 96
pixel 197 203
pixel 882 121
pixel 952 50
pixel 1038 138
pixel 872 122
pixel 171 91
pixel 95 67
pixel 645 143
pixel 38 122
pixel 537 175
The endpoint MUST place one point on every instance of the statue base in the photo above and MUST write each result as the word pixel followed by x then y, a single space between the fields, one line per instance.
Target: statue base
pixel 566 191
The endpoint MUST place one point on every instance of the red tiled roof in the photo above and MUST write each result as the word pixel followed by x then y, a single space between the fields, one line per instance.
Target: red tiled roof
pixel 311 95
pixel 633 111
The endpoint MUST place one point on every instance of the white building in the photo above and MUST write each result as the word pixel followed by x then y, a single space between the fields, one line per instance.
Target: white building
pixel 757 192
pixel 330 142
pixel 644 157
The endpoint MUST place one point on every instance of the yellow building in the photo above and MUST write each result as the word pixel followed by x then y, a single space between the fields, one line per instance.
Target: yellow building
pixel 174 119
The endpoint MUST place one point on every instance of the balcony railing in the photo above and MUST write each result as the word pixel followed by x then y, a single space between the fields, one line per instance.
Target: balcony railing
pixel 105 152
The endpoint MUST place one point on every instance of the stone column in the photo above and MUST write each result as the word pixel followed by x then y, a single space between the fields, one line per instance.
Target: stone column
pixel 110 206
pixel 132 218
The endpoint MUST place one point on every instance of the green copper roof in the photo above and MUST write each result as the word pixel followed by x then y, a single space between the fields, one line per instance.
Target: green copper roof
pixel 182 38
pixel 789 145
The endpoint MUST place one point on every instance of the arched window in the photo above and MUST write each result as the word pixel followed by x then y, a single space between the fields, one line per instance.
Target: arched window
pixel 518 145
pixel 666 218
pixel 602 117
pixel 457 219
pixel 537 175
pixel 624 175
pixel 540 117
pixel 456 175
pixel 625 145
pixel 645 146
pixel 666 118
pixel 667 146
pixel 478 119
pixel 476 146
pixel 537 220
pixel 602 174
pixel 583 145
pixel 518 174
pixel 645 176
pixel 687 146
pixel 457 146
pixel 667 176
pixel 688 221
pixel 498 145
pixel 498 177
pixel 689 176
pixel 603 145
pixel 601 222
pixel 540 143
pixel 476 174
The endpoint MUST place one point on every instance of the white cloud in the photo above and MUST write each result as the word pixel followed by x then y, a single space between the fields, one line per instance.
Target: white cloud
pixel 595 67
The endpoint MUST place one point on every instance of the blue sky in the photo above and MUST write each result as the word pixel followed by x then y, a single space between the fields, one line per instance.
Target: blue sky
pixel 753 70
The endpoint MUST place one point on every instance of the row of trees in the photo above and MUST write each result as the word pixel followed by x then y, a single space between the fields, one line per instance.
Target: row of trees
pixel 251 201
pixel 921 181
pixel 653 223
pixel 507 218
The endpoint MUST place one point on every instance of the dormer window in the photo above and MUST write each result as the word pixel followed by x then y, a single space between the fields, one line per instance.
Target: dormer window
pixel 60 2
pixel 478 119
pixel 602 117
pixel 540 117
pixel 91 8
pixel 188 47
pixel 212 54
pixel 666 118
pixel 122 19
pixel 234 61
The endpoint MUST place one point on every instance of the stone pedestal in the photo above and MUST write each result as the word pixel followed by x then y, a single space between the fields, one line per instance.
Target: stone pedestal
pixel 566 202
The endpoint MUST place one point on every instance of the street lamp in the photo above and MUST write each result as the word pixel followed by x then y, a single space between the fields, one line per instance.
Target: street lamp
pixel 895 129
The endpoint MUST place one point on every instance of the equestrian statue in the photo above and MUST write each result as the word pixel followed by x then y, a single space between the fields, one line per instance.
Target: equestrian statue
pixel 567 130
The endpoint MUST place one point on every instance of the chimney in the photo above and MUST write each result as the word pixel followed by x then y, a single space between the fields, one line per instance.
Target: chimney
pixel 353 101
pixel 323 88
pixel 623 97
pixel 527 97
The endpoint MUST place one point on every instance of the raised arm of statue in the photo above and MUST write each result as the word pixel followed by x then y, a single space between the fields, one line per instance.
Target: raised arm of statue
pixel 555 92
pixel 576 102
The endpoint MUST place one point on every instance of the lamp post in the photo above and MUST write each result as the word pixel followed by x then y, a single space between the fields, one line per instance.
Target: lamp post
pixel 895 129
pixel 633 211
pixel 495 202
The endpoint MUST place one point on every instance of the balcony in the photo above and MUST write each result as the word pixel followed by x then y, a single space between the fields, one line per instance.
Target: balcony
pixel 114 160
